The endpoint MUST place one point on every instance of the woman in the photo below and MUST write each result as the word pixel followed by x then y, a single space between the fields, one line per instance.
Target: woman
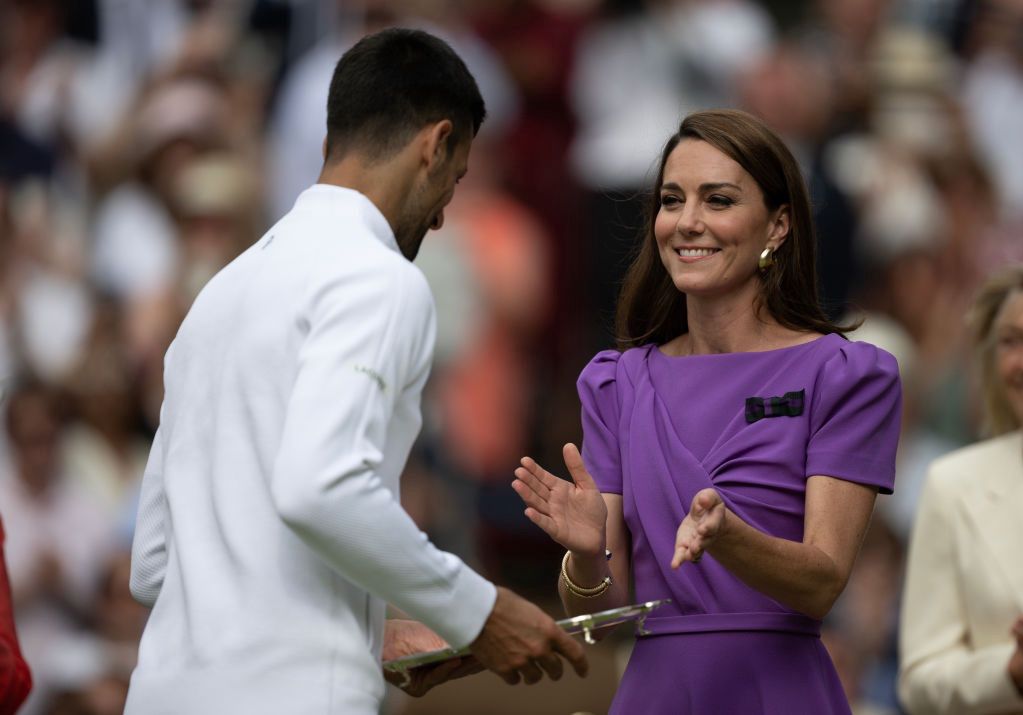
pixel 733 448
pixel 961 634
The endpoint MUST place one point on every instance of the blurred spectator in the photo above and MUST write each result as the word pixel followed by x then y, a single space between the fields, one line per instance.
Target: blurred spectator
pixel 15 678
pixel 135 250
pixel 794 95
pixel 58 540
pixel 992 94
pixel 103 449
pixel 638 71
pixel 962 633
pixel 47 307
pixel 488 270
pixel 219 216
pixel 841 34
pixel 57 90
pixel 860 632
pixel 299 122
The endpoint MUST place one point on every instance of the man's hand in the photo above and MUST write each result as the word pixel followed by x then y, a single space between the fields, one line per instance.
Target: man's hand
pixel 1016 661
pixel 404 637
pixel 426 677
pixel 519 641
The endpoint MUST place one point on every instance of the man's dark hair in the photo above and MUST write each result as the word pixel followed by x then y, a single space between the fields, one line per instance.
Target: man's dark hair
pixel 391 84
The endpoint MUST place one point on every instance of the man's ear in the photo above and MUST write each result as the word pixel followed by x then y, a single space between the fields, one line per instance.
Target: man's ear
pixel 780 226
pixel 436 138
pixel 323 149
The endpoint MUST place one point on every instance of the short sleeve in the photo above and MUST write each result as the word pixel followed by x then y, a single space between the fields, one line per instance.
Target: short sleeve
pixel 855 417
pixel 598 393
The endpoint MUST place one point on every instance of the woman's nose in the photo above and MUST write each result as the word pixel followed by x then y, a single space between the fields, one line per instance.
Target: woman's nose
pixel 689 221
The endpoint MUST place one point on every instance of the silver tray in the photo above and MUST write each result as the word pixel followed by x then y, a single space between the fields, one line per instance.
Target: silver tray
pixel 585 624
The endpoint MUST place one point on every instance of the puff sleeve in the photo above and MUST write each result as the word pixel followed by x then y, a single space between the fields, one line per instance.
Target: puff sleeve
pixel 855 417
pixel 598 393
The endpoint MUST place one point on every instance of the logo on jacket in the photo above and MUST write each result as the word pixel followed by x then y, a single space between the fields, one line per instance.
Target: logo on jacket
pixel 376 376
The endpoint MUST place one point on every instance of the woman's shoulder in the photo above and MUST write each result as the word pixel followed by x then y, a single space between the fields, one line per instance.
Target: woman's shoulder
pixel 975 460
pixel 856 358
pixel 611 366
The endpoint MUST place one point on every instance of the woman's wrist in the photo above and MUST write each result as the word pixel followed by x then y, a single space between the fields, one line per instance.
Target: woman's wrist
pixel 586 569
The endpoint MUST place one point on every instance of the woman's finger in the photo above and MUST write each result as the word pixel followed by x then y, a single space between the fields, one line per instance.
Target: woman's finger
pixel 531 498
pixel 576 468
pixel 676 559
pixel 532 482
pixel 545 477
pixel 530 485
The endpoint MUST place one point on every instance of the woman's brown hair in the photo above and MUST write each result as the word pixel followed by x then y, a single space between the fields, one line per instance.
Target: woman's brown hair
pixel 999 416
pixel 652 309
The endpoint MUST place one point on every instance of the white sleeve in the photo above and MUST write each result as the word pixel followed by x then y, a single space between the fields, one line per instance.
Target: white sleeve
pixel 940 672
pixel 149 545
pixel 366 345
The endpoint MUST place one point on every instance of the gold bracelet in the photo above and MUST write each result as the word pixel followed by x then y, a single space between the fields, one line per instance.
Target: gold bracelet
pixel 579 591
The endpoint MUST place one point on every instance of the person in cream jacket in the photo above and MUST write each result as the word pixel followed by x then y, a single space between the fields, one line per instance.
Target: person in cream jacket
pixel 961 634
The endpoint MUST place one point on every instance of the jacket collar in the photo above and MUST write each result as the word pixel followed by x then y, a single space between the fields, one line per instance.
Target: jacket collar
pixel 993 502
pixel 332 197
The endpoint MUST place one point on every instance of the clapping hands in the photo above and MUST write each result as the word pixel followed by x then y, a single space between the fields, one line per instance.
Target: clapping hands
pixel 700 528
pixel 572 513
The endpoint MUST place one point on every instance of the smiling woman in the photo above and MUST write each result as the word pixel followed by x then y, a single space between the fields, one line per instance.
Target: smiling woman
pixel 745 196
pixel 733 445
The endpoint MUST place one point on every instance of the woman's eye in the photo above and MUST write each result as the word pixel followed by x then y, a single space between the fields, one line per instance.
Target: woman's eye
pixel 1010 342
pixel 720 201
pixel 670 200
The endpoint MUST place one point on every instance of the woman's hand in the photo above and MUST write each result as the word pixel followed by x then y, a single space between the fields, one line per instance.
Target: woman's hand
pixel 700 528
pixel 572 513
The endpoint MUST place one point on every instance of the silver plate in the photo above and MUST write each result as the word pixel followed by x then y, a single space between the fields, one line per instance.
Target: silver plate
pixel 585 624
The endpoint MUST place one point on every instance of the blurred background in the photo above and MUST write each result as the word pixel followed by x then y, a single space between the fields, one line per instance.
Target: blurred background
pixel 145 143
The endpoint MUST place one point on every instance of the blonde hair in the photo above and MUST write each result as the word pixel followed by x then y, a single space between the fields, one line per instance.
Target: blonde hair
pixel 999 416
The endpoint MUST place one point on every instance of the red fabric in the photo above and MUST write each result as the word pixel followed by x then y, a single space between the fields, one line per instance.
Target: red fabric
pixel 15 678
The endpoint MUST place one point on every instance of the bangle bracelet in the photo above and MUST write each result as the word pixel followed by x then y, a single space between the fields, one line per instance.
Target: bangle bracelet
pixel 577 590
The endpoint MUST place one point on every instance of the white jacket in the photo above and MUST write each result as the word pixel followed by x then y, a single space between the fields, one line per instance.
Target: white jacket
pixel 270 534
pixel 964 584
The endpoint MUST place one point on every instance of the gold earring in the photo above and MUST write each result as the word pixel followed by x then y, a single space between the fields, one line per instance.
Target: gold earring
pixel 766 259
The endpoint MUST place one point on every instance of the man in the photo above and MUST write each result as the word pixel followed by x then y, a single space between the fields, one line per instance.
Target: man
pixel 269 534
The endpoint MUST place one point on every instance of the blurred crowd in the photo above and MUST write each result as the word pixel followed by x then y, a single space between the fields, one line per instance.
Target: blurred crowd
pixel 146 143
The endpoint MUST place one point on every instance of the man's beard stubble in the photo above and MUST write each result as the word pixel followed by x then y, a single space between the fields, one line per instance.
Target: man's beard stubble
pixel 416 220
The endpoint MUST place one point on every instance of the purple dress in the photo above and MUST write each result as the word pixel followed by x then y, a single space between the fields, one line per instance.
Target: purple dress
pixel 755 426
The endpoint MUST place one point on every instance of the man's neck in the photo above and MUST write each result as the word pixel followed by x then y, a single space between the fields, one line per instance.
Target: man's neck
pixel 386 184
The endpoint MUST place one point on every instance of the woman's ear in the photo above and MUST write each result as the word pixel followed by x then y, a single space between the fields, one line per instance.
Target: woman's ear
pixel 781 224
